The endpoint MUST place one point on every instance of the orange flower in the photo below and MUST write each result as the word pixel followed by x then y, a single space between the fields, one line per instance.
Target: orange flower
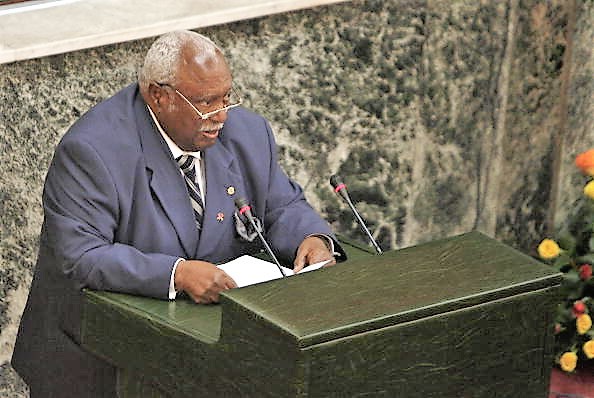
pixel 585 272
pixel 568 361
pixel 579 308
pixel 585 162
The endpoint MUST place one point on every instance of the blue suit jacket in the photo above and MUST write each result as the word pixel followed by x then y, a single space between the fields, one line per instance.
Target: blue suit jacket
pixel 117 216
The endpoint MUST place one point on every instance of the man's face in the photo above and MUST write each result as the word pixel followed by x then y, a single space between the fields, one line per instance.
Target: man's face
pixel 206 84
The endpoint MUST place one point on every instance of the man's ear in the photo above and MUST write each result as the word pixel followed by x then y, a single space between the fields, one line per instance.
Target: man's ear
pixel 156 96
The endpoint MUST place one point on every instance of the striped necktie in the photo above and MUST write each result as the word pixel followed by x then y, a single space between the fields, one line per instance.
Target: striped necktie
pixel 186 163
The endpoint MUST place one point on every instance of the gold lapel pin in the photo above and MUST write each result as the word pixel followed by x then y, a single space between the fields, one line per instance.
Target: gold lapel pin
pixel 230 190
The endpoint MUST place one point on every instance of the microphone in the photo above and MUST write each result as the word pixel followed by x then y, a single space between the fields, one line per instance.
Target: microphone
pixel 245 209
pixel 341 189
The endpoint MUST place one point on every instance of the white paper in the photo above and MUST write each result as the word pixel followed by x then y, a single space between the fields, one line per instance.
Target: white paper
pixel 247 270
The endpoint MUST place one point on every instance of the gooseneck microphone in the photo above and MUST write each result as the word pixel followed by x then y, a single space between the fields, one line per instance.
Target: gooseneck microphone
pixel 341 189
pixel 245 209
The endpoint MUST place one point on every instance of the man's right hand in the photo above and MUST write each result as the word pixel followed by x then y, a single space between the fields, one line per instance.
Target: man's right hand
pixel 202 281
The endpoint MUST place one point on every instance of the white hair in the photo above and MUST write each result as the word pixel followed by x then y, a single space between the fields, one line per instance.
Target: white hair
pixel 164 56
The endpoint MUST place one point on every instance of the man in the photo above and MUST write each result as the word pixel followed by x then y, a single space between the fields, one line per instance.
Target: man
pixel 139 199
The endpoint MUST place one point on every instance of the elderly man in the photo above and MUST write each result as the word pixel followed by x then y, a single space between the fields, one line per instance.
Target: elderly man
pixel 139 198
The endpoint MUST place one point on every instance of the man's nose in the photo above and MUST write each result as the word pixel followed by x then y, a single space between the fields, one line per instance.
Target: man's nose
pixel 219 117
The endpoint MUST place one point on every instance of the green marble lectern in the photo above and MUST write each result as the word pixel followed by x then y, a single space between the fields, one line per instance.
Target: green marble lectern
pixel 461 317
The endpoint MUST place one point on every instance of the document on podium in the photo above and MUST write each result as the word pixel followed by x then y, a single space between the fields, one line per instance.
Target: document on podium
pixel 248 270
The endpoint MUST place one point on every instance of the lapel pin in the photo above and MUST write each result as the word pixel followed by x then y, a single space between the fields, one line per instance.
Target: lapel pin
pixel 220 217
pixel 230 190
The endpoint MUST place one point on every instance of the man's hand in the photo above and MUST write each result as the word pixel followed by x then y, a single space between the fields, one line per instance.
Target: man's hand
pixel 312 250
pixel 202 281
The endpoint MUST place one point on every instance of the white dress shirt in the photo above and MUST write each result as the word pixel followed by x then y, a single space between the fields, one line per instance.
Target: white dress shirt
pixel 176 151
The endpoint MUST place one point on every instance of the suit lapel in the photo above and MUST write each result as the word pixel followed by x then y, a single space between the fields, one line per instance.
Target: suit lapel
pixel 166 180
pixel 223 185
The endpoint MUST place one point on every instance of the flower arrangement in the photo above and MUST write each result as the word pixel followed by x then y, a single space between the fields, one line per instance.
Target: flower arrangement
pixel 573 254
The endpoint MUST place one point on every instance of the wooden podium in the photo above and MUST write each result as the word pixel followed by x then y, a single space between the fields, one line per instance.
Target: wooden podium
pixel 461 317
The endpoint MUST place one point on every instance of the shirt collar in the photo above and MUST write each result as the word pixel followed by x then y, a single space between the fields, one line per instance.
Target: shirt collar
pixel 176 151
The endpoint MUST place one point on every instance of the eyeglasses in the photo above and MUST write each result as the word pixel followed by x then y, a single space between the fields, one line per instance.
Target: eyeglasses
pixel 232 99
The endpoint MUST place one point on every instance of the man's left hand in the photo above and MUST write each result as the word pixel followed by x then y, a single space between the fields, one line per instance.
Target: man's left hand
pixel 312 250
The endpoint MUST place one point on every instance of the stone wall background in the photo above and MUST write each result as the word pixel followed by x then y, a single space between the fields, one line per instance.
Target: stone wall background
pixel 441 116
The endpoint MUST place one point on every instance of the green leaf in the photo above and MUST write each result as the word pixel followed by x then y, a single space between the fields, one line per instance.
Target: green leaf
pixel 571 278
pixel 567 242
pixel 572 286
pixel 563 315
pixel 576 293
pixel 586 258
pixel 562 260
pixel 591 243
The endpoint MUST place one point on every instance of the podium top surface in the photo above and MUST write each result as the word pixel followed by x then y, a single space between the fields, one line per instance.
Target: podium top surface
pixel 396 287
pixel 365 293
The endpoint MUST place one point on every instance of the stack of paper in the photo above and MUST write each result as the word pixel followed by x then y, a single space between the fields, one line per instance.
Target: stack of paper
pixel 247 270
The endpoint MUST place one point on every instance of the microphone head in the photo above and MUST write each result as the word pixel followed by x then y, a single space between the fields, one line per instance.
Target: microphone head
pixel 244 207
pixel 340 187
pixel 335 180
pixel 241 202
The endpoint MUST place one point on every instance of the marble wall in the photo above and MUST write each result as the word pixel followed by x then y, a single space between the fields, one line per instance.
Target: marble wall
pixel 578 133
pixel 441 116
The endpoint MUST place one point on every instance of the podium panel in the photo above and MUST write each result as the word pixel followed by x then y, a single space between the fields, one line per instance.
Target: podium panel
pixel 465 316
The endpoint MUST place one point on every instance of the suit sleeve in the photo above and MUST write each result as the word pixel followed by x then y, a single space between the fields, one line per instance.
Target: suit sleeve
pixel 289 218
pixel 81 210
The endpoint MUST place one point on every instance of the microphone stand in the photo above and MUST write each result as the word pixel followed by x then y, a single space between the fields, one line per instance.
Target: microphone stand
pixel 340 189
pixel 243 207
pixel 363 226
pixel 266 246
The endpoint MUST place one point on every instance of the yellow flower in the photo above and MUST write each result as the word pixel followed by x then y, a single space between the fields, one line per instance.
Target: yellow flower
pixel 583 323
pixel 568 361
pixel 589 189
pixel 589 349
pixel 548 249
